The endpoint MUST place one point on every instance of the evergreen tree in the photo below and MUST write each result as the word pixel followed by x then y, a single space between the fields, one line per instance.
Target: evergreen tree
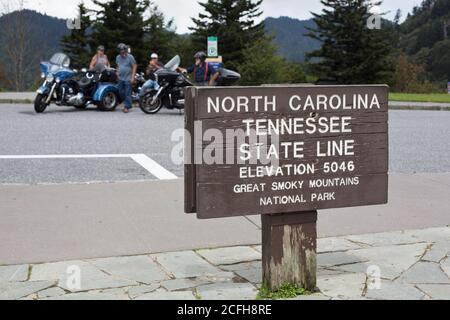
pixel 76 44
pixel 121 21
pixel 184 47
pixel 234 23
pixel 263 66
pixel 351 53
pixel 137 23
pixel 160 36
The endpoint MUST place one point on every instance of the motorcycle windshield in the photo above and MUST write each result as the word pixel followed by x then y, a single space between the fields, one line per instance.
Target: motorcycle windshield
pixel 60 59
pixel 173 64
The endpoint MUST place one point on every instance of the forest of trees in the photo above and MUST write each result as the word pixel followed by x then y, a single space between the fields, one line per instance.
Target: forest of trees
pixel 351 53
pixel 244 45
pixel 423 62
pixel 412 56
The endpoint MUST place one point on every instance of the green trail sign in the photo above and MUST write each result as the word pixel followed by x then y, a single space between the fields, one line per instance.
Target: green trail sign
pixel 213 47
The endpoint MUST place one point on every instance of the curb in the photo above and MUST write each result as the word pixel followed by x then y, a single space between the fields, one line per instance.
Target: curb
pixel 419 108
pixel 11 101
pixel 391 107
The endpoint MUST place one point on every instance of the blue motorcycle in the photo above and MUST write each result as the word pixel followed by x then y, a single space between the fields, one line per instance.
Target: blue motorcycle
pixel 66 87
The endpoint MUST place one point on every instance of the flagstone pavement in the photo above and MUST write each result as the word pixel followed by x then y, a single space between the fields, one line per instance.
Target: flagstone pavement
pixel 408 265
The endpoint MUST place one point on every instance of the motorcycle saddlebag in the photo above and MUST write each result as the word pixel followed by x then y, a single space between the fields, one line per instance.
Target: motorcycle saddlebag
pixel 228 77
pixel 109 75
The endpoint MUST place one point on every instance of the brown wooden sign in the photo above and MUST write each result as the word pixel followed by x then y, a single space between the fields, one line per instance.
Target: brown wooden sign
pixel 266 150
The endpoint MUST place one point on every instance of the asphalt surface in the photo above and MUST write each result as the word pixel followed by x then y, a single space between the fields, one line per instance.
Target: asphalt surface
pixel 47 215
pixel 66 131
pixel 419 144
pixel 44 223
pixel 419 141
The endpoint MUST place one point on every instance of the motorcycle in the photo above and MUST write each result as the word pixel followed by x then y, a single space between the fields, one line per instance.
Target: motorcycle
pixel 67 87
pixel 54 72
pixel 98 88
pixel 172 85
pixel 171 89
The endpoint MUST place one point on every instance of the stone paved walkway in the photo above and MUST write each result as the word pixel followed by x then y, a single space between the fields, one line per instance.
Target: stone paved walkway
pixel 411 264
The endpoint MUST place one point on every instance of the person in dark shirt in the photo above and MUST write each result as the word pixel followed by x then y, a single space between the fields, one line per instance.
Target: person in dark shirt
pixel 204 74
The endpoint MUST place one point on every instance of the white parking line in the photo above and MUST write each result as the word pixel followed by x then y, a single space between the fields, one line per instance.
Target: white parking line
pixel 144 161
pixel 153 167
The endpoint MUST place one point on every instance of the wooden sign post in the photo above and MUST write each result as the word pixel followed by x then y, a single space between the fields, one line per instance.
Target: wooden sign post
pixel 284 153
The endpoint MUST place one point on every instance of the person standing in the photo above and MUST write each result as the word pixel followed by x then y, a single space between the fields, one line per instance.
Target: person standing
pixel 126 71
pixel 100 61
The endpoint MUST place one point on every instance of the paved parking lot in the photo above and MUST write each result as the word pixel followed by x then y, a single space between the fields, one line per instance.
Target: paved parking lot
pixel 134 204
pixel 96 146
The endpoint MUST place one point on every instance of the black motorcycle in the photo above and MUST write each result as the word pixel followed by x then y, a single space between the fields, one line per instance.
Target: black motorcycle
pixel 171 85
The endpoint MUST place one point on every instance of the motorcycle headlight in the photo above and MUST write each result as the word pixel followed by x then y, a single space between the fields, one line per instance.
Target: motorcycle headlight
pixel 58 80
pixel 50 78
pixel 43 75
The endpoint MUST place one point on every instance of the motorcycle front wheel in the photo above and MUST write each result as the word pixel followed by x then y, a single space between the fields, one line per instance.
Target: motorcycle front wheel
pixel 149 105
pixel 109 102
pixel 40 103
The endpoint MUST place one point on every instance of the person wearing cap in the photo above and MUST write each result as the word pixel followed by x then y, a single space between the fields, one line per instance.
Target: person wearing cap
pixel 153 66
pixel 204 74
pixel 100 61
pixel 126 71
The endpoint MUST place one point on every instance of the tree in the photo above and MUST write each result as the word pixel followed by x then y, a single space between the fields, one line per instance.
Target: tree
pixel 351 53
pixel 3 78
pixel 411 77
pixel 76 44
pixel 407 74
pixel 397 18
pixel 263 66
pixel 16 52
pixel 137 23
pixel 184 46
pixel 439 62
pixel 160 36
pixel 234 23
pixel 121 21
pixel 243 42
pixel 425 39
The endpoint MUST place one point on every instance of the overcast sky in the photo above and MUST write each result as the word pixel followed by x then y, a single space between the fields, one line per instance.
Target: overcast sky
pixel 183 10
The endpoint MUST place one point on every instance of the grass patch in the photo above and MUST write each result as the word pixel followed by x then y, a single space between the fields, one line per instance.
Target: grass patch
pixel 416 97
pixel 197 295
pixel 287 291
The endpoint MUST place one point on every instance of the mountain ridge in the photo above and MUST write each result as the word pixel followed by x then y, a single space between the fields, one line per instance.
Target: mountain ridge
pixel 290 37
pixel 289 33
